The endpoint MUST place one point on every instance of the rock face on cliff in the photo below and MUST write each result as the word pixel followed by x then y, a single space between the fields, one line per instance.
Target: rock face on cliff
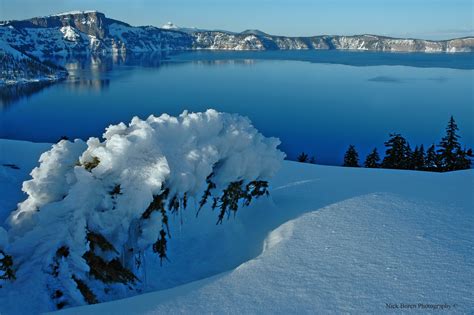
pixel 91 32
pixel 89 22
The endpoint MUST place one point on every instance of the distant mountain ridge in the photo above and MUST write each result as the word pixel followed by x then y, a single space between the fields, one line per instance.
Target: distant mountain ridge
pixel 91 32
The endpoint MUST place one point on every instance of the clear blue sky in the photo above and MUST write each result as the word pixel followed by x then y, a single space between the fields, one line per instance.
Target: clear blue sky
pixel 418 18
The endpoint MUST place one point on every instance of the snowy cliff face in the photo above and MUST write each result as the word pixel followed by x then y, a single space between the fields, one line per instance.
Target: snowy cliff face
pixel 87 32
pixel 257 40
pixel 91 32
pixel 146 39
pixel 88 22
pixel 226 41
pixel 380 43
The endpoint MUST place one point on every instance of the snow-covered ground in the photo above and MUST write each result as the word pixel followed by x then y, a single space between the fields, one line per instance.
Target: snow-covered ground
pixel 18 68
pixel 7 49
pixel 74 12
pixel 329 240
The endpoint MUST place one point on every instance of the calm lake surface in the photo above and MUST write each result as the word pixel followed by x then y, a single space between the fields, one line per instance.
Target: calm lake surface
pixel 314 101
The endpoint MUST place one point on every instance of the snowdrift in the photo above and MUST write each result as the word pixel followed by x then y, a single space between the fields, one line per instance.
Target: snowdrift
pixel 329 240
pixel 332 240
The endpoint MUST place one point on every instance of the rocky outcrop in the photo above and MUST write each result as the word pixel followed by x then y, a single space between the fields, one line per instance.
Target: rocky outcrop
pixel 88 22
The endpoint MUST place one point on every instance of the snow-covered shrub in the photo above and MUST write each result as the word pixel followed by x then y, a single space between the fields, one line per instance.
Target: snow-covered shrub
pixel 95 208
pixel 6 261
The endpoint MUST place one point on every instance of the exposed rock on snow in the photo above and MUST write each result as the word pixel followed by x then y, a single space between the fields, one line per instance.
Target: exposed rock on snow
pixel 70 33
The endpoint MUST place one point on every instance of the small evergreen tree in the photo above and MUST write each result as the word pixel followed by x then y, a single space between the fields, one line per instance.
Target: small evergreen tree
pixel 452 156
pixel 421 157
pixel 409 158
pixel 6 267
pixel 469 156
pixel 432 163
pixel 372 160
pixel 450 148
pixel 418 159
pixel 351 158
pixel 398 153
pixel 303 157
pixel 312 160
pixel 462 159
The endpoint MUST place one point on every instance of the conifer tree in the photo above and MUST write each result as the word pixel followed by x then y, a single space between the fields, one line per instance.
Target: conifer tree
pixel 452 156
pixel 421 157
pixel 409 158
pixel 418 159
pixel 398 153
pixel 312 160
pixel 450 148
pixel 372 160
pixel 303 157
pixel 351 158
pixel 413 157
pixel 432 160
pixel 6 267
pixel 463 161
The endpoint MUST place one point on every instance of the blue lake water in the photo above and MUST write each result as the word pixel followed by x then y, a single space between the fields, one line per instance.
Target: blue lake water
pixel 317 102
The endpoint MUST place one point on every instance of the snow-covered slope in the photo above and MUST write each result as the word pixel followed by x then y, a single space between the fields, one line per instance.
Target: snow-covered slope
pixel 330 240
pixel 16 67
pixel 355 256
